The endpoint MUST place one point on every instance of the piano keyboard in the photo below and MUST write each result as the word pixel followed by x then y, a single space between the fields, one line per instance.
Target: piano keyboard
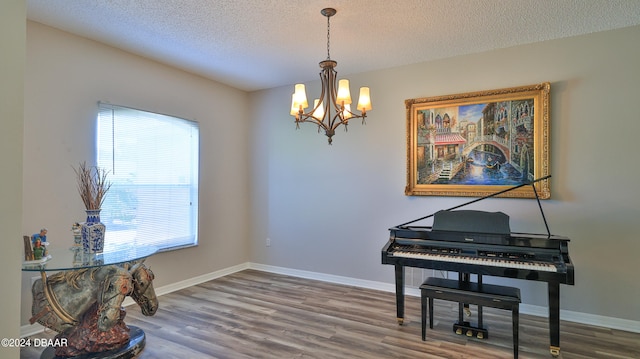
pixel 493 262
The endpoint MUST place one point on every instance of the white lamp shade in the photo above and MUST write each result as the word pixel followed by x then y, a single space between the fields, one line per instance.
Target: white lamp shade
pixel 347 112
pixel 294 109
pixel 344 95
pixel 318 113
pixel 364 101
pixel 300 97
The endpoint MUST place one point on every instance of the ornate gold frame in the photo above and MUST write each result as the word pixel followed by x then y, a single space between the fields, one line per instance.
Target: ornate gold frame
pixel 440 141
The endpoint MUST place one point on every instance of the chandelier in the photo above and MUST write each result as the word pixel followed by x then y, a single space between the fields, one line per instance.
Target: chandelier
pixel 336 97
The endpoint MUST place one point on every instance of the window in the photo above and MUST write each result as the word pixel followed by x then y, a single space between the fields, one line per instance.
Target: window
pixel 152 163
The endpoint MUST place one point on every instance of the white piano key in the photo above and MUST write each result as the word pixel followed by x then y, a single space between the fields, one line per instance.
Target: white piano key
pixel 503 263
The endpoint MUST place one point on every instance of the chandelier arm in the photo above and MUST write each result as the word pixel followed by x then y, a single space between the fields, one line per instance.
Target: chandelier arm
pixel 335 124
pixel 322 100
pixel 308 116
pixel 339 108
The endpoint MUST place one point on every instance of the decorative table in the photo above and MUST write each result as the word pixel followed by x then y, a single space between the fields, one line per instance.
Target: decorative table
pixel 82 301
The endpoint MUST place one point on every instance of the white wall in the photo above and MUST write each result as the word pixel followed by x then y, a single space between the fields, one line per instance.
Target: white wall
pixel 12 48
pixel 65 77
pixel 327 208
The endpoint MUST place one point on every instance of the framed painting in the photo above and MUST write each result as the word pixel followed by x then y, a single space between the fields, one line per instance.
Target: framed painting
pixel 480 143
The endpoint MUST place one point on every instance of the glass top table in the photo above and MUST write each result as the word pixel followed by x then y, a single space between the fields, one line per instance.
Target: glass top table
pixel 78 318
pixel 65 258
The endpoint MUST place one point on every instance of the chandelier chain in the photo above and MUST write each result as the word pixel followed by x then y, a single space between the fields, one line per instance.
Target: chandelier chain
pixel 328 38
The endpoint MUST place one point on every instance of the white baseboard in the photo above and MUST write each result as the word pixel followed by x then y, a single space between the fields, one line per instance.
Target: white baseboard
pixel 571 316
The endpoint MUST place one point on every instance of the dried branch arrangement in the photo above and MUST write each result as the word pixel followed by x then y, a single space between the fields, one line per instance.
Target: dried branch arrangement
pixel 92 185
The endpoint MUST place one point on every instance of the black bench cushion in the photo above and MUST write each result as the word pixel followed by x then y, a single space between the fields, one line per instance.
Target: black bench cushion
pixel 470 291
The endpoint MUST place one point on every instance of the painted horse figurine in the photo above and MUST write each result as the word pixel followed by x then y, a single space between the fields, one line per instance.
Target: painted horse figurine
pixel 85 305
pixel 143 292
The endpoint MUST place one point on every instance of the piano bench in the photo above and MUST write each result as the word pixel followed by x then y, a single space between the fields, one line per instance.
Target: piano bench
pixel 489 295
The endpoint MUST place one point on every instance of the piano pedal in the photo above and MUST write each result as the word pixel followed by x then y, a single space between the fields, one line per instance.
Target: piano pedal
pixel 470 331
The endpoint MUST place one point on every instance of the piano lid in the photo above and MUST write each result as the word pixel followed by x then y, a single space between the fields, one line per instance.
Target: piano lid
pixel 478 221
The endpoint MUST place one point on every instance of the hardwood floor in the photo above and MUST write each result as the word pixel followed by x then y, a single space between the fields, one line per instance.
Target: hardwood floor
pixel 254 314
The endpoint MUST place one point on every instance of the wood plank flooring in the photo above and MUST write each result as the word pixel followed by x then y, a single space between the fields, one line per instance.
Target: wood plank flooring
pixel 254 314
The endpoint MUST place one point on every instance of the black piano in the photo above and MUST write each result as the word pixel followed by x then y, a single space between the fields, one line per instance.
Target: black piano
pixel 481 243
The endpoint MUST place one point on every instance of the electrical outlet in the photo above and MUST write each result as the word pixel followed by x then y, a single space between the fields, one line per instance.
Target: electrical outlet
pixel 268 242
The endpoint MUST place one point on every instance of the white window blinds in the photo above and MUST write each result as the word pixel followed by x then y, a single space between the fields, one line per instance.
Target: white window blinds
pixel 152 161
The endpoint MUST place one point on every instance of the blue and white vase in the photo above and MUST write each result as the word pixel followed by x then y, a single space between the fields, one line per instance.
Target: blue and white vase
pixel 93 232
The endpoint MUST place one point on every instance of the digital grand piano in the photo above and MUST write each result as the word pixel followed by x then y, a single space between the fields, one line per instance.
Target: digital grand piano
pixel 481 243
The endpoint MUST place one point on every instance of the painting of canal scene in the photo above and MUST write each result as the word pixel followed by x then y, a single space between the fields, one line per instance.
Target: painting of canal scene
pixel 480 143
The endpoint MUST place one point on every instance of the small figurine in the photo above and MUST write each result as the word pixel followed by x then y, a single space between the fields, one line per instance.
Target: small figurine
pixel 76 228
pixel 42 236
pixel 35 248
pixel 39 240
pixel 38 250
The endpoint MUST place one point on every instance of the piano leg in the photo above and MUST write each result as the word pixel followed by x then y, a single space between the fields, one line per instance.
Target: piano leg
pixel 465 277
pixel 400 293
pixel 554 318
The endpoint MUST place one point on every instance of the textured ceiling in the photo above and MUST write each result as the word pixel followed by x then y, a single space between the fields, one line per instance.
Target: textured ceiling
pixel 257 44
